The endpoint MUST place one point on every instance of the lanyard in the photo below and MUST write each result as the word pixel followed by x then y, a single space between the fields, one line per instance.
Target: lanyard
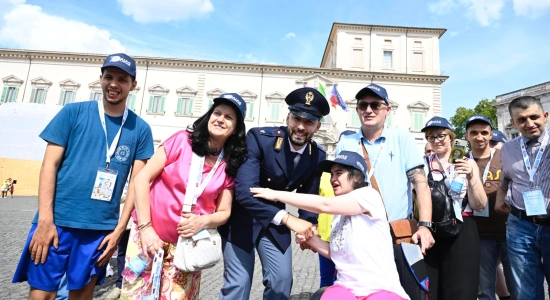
pixel 110 150
pixel 449 174
pixel 193 190
pixel 373 165
pixel 533 170
pixel 486 172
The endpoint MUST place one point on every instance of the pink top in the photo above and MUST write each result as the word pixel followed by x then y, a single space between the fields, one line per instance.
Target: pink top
pixel 168 189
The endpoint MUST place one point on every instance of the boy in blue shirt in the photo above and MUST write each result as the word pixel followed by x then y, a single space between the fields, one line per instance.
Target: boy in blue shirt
pixel 92 146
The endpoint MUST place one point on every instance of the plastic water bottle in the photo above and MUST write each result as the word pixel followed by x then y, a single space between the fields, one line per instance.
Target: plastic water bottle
pixel 456 186
pixel 135 267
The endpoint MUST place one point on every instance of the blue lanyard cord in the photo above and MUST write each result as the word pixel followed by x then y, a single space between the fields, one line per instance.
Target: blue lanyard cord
pixel 533 170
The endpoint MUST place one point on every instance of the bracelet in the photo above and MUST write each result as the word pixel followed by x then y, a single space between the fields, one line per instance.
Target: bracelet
pixel 286 220
pixel 144 225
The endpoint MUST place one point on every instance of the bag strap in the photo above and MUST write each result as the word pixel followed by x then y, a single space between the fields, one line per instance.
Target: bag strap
pixel 373 178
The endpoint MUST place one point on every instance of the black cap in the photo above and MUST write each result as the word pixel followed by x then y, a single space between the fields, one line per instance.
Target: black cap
pixel 307 103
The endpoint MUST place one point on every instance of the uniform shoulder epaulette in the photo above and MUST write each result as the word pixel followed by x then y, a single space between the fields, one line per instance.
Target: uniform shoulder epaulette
pixel 271 131
pixel 318 146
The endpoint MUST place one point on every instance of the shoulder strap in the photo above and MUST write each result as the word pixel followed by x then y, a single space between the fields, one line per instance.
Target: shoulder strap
pixel 373 179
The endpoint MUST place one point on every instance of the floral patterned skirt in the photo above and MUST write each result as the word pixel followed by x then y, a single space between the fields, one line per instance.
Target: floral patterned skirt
pixel 174 285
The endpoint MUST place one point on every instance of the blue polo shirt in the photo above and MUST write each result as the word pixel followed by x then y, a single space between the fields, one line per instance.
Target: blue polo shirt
pixel 399 155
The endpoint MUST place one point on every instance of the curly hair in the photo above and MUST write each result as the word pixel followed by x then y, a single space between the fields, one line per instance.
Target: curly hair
pixel 235 147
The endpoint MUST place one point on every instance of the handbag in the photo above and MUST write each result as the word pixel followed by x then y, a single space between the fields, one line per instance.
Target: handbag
pixel 196 253
pixel 444 221
pixel 401 230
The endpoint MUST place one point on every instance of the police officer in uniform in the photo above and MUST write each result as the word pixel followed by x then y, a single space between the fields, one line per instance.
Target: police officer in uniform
pixel 279 158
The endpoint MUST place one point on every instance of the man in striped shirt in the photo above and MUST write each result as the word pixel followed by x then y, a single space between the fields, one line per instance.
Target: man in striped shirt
pixel 526 165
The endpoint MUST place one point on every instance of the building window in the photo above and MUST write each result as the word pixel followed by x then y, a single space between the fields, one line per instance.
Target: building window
pixel 38 95
pixel 418 61
pixel 354 119
pixel 389 120
pixel 9 94
pixel 418 121
pixel 131 101
pixel 156 104
pixel 388 59
pixel 275 112
pixel 250 111
pixel 185 106
pixel 514 135
pixel 96 96
pixel 357 58
pixel 210 103
pixel 66 97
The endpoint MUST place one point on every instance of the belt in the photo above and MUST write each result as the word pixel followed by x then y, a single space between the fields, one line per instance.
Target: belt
pixel 537 220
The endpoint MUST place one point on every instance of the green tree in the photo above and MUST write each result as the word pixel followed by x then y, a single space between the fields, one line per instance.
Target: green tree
pixel 484 107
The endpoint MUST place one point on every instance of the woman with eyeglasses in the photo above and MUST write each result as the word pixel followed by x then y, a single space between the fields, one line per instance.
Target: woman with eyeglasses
pixel 457 190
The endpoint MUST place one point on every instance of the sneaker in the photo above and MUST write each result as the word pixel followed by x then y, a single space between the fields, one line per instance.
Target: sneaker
pixel 114 294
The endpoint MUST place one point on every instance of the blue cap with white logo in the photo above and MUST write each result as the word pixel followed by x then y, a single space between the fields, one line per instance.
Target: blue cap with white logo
pixel 437 122
pixel 375 89
pixel 121 61
pixel 498 137
pixel 235 100
pixel 346 158
pixel 478 118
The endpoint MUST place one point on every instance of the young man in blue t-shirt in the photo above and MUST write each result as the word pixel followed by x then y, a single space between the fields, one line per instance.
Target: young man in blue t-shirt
pixel 92 146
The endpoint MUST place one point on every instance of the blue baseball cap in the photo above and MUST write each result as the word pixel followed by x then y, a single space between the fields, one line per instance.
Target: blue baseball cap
pixel 498 136
pixel 437 122
pixel 478 118
pixel 121 61
pixel 375 89
pixel 307 103
pixel 346 158
pixel 235 100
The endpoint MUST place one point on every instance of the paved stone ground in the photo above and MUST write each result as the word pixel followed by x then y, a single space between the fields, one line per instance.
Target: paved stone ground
pixel 16 215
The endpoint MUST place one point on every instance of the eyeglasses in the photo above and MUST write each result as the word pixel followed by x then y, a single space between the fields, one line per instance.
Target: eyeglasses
pixel 375 106
pixel 439 137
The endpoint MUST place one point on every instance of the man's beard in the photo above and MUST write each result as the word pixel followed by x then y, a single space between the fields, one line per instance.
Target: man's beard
pixel 299 143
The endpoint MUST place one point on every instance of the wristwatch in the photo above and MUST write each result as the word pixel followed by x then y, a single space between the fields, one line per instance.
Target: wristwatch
pixel 426 224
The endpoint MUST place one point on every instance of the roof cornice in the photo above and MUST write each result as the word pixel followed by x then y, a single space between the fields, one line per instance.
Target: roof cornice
pixel 151 62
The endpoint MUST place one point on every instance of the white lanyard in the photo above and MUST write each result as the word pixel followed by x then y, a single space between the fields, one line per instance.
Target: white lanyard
pixel 193 190
pixel 486 172
pixel 373 165
pixel 451 167
pixel 110 150
pixel 533 170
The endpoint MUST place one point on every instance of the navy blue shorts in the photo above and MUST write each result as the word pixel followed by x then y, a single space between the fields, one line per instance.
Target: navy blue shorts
pixel 76 255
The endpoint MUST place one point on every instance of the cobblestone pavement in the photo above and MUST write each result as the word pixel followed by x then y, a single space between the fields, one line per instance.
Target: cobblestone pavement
pixel 16 215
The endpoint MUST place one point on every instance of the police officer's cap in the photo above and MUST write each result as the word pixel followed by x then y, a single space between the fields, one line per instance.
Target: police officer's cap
pixel 307 103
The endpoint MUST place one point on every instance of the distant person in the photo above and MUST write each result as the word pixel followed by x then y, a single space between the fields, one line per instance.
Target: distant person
pixel 428 150
pixel 497 140
pixel 92 146
pixel 5 188
pixel 12 184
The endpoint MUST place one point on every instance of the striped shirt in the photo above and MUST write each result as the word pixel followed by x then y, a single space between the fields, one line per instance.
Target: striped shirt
pixel 514 171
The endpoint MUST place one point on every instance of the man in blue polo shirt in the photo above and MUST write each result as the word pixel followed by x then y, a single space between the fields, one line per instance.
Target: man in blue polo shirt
pixel 395 162
pixel 92 146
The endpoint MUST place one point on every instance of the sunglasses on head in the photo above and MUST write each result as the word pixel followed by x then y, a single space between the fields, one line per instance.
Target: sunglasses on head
pixel 373 105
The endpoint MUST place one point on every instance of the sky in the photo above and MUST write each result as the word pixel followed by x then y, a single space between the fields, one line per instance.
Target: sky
pixel 491 47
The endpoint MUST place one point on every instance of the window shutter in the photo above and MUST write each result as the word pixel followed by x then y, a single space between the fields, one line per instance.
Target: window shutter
pixel 14 99
pixel 43 96
pixel 73 95
pixel 161 105
pixel 275 112
pixel 4 93
pixel 62 97
pixel 91 95
pixel 178 109
pixel 33 96
pixel 250 110
pixel 189 109
pixel 151 100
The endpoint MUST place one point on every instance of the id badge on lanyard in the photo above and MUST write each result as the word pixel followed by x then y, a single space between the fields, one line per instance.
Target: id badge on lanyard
pixel 455 185
pixel 485 211
pixel 105 179
pixel 533 198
